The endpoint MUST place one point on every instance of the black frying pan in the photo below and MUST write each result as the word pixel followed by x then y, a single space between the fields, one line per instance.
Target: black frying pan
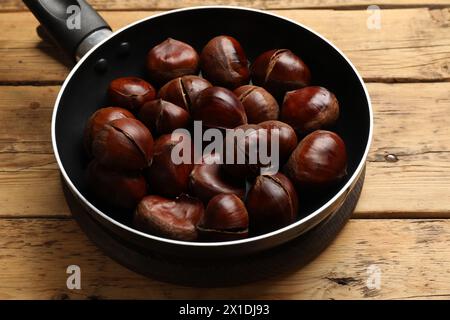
pixel 104 56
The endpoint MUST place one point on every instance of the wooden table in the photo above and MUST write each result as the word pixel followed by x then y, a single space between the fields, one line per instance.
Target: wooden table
pixel 400 226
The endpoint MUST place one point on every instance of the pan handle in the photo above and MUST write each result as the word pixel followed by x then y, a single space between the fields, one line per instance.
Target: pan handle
pixel 73 24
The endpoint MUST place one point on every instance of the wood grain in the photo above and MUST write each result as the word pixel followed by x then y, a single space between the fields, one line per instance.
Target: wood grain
pixel 412 44
pixel 411 122
pixel 14 5
pixel 36 253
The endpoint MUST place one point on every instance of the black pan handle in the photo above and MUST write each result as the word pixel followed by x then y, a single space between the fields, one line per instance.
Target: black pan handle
pixel 73 24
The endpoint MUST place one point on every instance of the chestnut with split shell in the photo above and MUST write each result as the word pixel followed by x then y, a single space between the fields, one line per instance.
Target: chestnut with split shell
pixel 130 92
pixel 170 218
pixel 319 160
pixel 259 104
pixel 124 144
pixel 225 219
pixel 310 109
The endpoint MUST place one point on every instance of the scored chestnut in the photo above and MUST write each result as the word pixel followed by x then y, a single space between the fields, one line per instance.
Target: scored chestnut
pixel 163 116
pixel 310 109
pixel 279 71
pixel 272 203
pixel 319 160
pixel 130 92
pixel 124 144
pixel 184 90
pixel 225 219
pixel 171 59
pixel 218 107
pixel 259 104
pixel 208 180
pixel 224 63
pixel 166 176
pixel 98 119
pixel 119 189
pixel 287 139
pixel 174 219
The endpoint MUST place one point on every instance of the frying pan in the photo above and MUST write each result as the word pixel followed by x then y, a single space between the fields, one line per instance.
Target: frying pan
pixel 103 56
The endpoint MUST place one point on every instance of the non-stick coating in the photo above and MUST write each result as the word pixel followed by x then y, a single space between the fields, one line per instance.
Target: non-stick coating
pixel 256 31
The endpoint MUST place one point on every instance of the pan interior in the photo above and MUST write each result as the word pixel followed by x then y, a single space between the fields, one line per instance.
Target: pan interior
pixel 85 92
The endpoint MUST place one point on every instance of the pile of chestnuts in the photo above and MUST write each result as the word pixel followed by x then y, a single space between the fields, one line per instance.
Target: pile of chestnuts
pixel 130 142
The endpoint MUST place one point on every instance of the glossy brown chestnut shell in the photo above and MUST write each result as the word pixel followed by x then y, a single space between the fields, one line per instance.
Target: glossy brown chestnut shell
pixel 98 119
pixel 171 59
pixel 130 92
pixel 174 219
pixel 259 104
pixel 223 62
pixel 184 90
pixel 272 203
pixel 286 136
pixel 279 71
pixel 218 107
pixel 208 180
pixel 225 219
pixel 163 117
pixel 310 109
pixel 116 188
pixel 123 144
pixel 166 177
pixel 319 160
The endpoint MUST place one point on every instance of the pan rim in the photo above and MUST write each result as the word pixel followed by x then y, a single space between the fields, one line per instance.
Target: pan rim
pixel 294 225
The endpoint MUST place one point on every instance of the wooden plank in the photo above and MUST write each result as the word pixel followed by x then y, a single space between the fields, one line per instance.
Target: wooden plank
pixel 16 5
pixel 36 253
pixel 411 122
pixel 412 44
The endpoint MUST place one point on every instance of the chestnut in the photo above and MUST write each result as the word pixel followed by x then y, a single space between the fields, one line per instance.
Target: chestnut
pixel 174 219
pixel 130 92
pixel 171 59
pixel 118 189
pixel 272 203
pixel 224 63
pixel 286 137
pixel 163 117
pixel 208 180
pixel 218 107
pixel 310 109
pixel 225 219
pixel 319 160
pixel 279 71
pixel 259 104
pixel 98 119
pixel 184 90
pixel 165 176
pixel 124 144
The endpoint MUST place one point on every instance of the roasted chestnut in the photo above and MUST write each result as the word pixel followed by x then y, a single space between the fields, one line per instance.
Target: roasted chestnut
pixel 208 180
pixel 118 189
pixel 319 160
pixel 259 104
pixel 218 107
pixel 174 219
pixel 98 120
pixel 225 219
pixel 272 203
pixel 310 109
pixel 287 139
pixel 163 116
pixel 223 62
pixel 184 90
pixel 130 92
pixel 168 176
pixel 124 144
pixel 279 71
pixel 171 59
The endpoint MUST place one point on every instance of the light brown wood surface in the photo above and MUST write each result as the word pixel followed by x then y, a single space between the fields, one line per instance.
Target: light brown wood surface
pixel 407 67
